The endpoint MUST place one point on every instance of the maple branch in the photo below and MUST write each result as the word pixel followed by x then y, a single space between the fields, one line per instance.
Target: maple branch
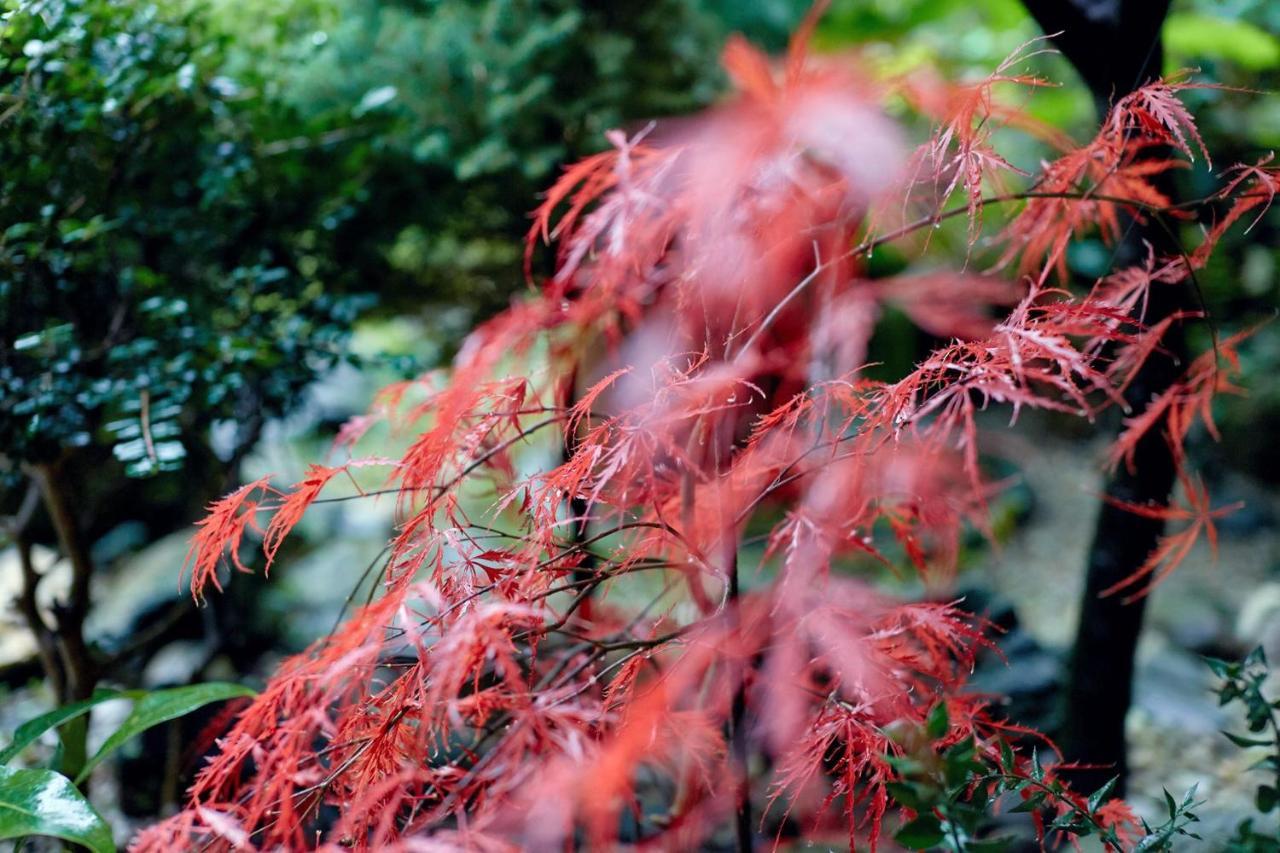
pixel 447 485
pixel 870 245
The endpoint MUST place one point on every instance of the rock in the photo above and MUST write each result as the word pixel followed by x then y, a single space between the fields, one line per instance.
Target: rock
pixel 1029 678
pixel 1259 625
pixel 137 585
pixel 1259 621
pixel 175 664
pixel 309 593
pixel 1192 620
pixel 118 542
pixel 1171 689
pixel 17 644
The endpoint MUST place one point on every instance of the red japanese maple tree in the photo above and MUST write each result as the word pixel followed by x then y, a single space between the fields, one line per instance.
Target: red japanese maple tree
pixel 618 605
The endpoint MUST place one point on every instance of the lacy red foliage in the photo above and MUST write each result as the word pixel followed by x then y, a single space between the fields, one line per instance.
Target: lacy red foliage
pixel 699 358
pixel 221 531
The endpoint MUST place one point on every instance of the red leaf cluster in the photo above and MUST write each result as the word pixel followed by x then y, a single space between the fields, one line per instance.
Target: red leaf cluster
pixel 728 470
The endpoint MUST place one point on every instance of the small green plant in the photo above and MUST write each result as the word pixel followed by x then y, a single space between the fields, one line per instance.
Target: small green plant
pixel 955 792
pixel 1242 682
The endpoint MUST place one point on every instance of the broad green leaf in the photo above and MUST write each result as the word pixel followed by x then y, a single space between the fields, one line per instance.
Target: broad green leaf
pixel 1267 762
pixel 41 802
pixel 1251 47
pixel 1007 760
pixel 27 733
pixel 920 834
pixel 938 723
pixel 160 707
pixel 906 794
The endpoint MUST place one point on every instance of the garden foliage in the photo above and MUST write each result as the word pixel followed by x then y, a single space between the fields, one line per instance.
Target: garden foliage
pixel 150 282
pixel 621 599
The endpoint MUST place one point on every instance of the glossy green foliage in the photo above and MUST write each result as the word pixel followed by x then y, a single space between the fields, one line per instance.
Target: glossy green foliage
pixel 154 274
pixel 27 733
pixel 41 802
pixel 160 706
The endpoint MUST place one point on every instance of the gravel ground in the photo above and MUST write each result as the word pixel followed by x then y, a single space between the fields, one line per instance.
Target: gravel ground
pixel 1221 606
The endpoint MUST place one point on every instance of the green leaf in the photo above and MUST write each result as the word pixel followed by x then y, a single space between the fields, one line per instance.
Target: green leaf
pixel 1222 668
pixel 41 802
pixel 920 834
pixel 1192 35
pixel 162 706
pixel 1072 822
pixel 905 764
pixel 1007 760
pixel 906 794
pixel 28 732
pixel 1033 803
pixel 1267 798
pixel 938 722
pixel 1245 741
pixel 1098 797
pixel 1001 844
pixel 958 762
pixel 980 796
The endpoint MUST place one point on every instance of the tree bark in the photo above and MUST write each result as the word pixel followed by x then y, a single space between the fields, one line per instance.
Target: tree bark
pixel 1116 47
pixel 71 613
pixel 79 669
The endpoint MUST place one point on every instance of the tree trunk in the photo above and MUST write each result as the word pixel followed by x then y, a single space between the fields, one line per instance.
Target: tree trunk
pixel 1115 45
pixel 79 670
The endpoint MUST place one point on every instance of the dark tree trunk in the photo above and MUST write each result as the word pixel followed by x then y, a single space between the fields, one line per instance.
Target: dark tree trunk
pixel 1115 46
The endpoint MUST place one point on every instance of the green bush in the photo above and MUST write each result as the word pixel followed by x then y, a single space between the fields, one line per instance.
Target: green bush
pixel 150 280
